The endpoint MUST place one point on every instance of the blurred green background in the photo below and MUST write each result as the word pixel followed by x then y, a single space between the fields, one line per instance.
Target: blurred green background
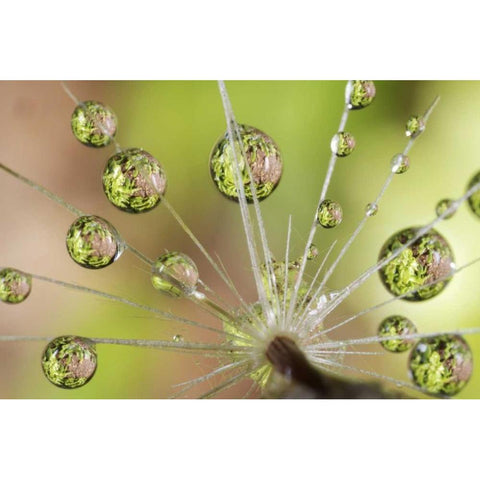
pixel 178 122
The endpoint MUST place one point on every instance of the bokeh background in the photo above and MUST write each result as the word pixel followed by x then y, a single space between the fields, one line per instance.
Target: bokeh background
pixel 178 122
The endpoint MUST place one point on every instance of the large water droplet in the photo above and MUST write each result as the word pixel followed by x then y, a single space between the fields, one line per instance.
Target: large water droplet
pixel 329 214
pixel 92 242
pixel 415 126
pixel 443 206
pixel 93 124
pixel 15 286
pixel 134 181
pixel 69 361
pixel 428 259
pixel 175 274
pixel 359 94
pixel 441 364
pixel 400 163
pixel 397 325
pixel 264 159
pixel 342 144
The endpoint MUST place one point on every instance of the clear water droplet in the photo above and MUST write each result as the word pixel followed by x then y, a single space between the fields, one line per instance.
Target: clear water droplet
pixel 263 157
pixel 359 94
pixel 371 209
pixel 474 199
pixel 15 285
pixel 397 325
pixel 415 126
pixel 443 206
pixel 93 124
pixel 178 338
pixel 175 274
pixel 134 181
pixel 312 252
pixel 442 364
pixel 93 242
pixel 342 144
pixel 69 361
pixel 329 214
pixel 426 260
pixel 400 163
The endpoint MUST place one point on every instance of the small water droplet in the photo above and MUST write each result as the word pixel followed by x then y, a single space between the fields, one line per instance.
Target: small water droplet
pixel 415 126
pixel 342 144
pixel 359 94
pixel 400 163
pixel 263 156
pixel 93 124
pixel 134 181
pixel 443 206
pixel 15 285
pixel 397 325
pixel 178 338
pixel 426 260
pixel 69 361
pixel 92 242
pixel 442 364
pixel 371 209
pixel 329 214
pixel 312 252
pixel 175 274
pixel 474 199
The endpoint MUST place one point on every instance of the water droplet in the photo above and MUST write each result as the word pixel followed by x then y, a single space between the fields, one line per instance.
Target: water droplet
pixel 359 94
pixel 178 338
pixel 329 214
pixel 474 200
pixel 92 242
pixel 443 206
pixel 134 181
pixel 93 124
pixel 400 163
pixel 175 274
pixel 441 364
pixel 263 157
pixel 15 286
pixel 69 361
pixel 342 144
pixel 426 260
pixel 312 252
pixel 393 326
pixel 371 209
pixel 415 126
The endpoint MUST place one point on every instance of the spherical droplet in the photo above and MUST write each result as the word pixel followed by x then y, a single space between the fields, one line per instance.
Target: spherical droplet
pixel 415 126
pixel 342 144
pixel 371 209
pixel 359 94
pixel 443 206
pixel 263 157
pixel 92 242
pixel 425 261
pixel 178 338
pixel 69 361
pixel 400 163
pixel 15 286
pixel 329 214
pixel 394 326
pixel 175 274
pixel 93 124
pixel 312 252
pixel 474 199
pixel 442 364
pixel 134 181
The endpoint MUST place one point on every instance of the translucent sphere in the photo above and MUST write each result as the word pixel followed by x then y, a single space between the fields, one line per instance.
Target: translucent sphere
pixel 134 181
pixel 428 259
pixel 175 274
pixel 441 364
pixel 92 242
pixel 443 206
pixel 15 286
pixel 393 326
pixel 371 209
pixel 415 126
pixel 474 200
pixel 93 124
pixel 329 214
pixel 69 361
pixel 359 94
pixel 400 163
pixel 342 144
pixel 263 157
